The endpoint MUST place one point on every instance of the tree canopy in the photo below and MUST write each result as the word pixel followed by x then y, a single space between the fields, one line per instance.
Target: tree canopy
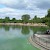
pixel 14 20
pixel 7 19
pixel 25 18
pixel 48 13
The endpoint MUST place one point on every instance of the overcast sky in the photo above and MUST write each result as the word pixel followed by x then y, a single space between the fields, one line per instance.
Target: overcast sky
pixel 16 8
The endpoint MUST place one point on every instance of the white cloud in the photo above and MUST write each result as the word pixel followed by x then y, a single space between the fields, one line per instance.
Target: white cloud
pixel 18 13
pixel 19 4
pixel 16 8
pixel 26 4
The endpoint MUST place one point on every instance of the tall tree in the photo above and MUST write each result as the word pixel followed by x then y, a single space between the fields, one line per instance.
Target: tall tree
pixel 35 19
pixel 7 19
pixel 46 19
pixel 13 20
pixel 48 13
pixel 25 18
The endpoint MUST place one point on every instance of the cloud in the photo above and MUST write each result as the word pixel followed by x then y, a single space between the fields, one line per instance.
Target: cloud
pixel 16 8
pixel 18 13
pixel 26 4
pixel 19 4
pixel 43 4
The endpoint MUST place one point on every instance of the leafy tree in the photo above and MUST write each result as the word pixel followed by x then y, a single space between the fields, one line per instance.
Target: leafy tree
pixel 1 20
pixel 25 18
pixel 36 19
pixel 13 20
pixel 7 19
pixel 48 13
pixel 19 21
pixel 46 19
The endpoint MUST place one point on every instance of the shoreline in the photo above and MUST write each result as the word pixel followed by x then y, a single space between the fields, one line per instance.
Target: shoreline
pixel 33 43
pixel 21 24
pixel 40 41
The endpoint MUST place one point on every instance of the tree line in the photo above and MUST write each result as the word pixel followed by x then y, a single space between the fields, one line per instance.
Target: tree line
pixel 26 19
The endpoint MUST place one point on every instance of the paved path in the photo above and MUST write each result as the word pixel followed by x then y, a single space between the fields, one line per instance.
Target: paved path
pixel 36 44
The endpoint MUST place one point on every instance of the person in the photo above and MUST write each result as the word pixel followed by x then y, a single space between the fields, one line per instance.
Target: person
pixel 47 32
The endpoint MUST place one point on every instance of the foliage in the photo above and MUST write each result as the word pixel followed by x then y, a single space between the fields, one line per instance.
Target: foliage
pixel 47 18
pixel 25 30
pixel 1 20
pixel 13 20
pixel 36 20
pixel 7 19
pixel 48 13
pixel 25 18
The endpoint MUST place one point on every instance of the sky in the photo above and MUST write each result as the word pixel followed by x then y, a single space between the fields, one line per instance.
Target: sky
pixel 17 8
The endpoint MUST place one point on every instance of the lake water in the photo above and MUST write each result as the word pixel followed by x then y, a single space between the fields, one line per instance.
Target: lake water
pixel 16 37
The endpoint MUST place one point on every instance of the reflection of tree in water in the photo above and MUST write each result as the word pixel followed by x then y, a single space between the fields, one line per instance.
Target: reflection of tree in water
pixel 7 28
pixel 16 26
pixel 25 30
pixel 1 26
pixel 39 29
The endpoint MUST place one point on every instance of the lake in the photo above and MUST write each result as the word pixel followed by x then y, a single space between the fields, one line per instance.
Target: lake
pixel 16 37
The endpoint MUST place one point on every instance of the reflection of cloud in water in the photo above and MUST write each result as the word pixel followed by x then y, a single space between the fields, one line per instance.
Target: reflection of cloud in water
pixel 12 33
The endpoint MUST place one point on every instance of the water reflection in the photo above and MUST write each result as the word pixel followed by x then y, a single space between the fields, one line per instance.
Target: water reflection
pixel 7 28
pixel 25 30
pixel 16 27
pixel 39 29
pixel 13 37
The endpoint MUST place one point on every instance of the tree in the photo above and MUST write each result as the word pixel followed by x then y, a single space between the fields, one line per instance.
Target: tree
pixel 25 18
pixel 1 20
pixel 35 19
pixel 48 13
pixel 13 20
pixel 46 19
pixel 7 19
